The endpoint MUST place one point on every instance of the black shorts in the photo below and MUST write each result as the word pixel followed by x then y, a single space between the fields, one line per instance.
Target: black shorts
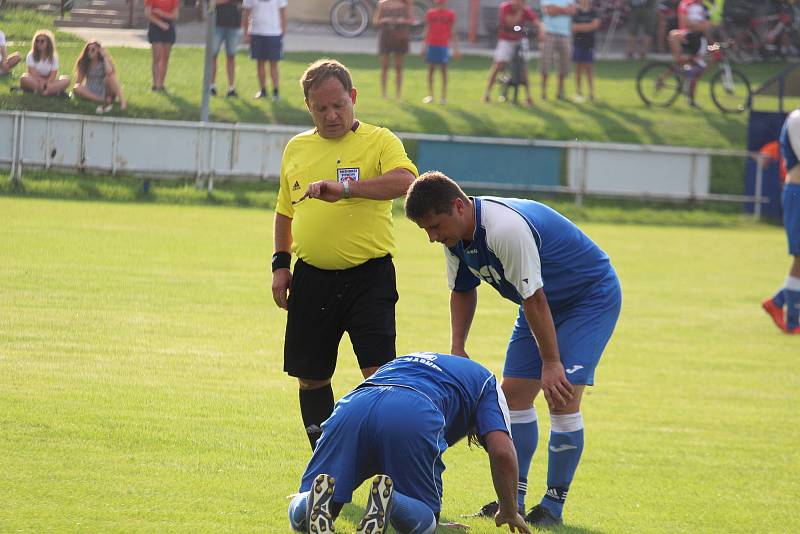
pixel 323 305
pixel 157 35
pixel 693 44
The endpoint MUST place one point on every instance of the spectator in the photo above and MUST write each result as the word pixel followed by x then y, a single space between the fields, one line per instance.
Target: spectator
pixel 667 21
pixel 42 61
pixel 393 18
pixel 511 14
pixel 640 26
pixel 228 29
pixel 555 41
pixel 162 15
pixel 264 24
pixel 584 26
pixel 689 40
pixel 96 78
pixel 7 61
pixel 436 47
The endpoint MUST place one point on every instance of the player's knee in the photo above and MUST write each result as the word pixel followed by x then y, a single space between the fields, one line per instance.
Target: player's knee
pixel 310 384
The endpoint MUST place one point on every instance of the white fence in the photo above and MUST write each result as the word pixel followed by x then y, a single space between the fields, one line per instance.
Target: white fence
pixel 253 152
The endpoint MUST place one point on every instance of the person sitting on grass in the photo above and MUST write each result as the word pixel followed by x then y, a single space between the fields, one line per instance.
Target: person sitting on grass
pixel 7 61
pixel 42 76
pixel 96 78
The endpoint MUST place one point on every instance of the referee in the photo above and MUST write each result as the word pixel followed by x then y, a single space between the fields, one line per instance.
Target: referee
pixel 335 213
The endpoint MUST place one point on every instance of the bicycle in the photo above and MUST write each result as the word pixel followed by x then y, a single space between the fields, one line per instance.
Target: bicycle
pixel 515 77
pixel 350 18
pixel 659 83
pixel 762 37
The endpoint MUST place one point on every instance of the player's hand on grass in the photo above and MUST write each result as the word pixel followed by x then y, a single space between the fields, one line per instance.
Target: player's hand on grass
pixel 327 190
pixel 557 389
pixel 512 518
pixel 281 280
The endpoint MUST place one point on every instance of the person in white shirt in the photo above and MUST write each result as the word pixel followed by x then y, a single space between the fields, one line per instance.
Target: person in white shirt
pixel 42 61
pixel 7 61
pixel 264 23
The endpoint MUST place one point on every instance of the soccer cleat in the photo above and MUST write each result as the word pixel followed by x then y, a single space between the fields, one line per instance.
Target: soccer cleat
pixel 541 517
pixel 775 312
pixel 379 504
pixel 319 519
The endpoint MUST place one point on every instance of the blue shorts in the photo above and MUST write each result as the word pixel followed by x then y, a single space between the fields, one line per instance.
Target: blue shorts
pixel 266 47
pixel 230 36
pixel 582 331
pixel 791 216
pixel 438 55
pixel 382 430
pixel 582 55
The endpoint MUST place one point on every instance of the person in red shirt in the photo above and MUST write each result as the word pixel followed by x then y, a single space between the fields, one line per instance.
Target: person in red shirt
pixel 512 14
pixel 436 47
pixel 162 15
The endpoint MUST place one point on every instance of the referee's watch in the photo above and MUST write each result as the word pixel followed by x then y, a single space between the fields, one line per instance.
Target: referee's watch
pixel 346 186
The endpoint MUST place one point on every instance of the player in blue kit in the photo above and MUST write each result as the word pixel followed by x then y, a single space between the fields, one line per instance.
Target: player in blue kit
pixel 523 248
pixel 788 296
pixel 397 424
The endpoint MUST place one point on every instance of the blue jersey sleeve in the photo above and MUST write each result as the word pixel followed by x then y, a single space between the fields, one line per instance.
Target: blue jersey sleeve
pixel 465 280
pixel 492 410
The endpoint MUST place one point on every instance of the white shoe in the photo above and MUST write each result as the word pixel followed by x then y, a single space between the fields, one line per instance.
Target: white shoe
pixel 427 100
pixel 578 99
pixel 319 519
pixel 379 504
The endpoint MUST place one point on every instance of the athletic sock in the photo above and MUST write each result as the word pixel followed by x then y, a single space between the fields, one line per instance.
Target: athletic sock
pixel 525 433
pixel 779 298
pixel 566 446
pixel 411 516
pixel 297 511
pixel 316 405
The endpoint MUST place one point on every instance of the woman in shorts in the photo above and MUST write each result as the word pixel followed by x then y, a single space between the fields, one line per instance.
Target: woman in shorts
pixel 96 78
pixel 162 15
pixel 394 19
pixel 42 61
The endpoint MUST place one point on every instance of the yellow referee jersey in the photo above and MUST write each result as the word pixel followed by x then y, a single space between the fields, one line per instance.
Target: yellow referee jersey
pixel 346 233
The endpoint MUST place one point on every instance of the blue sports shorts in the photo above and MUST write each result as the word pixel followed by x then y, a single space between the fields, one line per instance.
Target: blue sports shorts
pixel 382 430
pixel 583 330
pixel 228 35
pixel 266 47
pixel 791 216
pixel 438 55
pixel 582 54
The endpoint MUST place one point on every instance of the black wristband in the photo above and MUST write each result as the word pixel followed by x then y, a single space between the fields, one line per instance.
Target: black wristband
pixel 281 260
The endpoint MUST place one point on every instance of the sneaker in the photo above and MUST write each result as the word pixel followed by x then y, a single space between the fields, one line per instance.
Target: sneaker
pixel 487 510
pixel 775 312
pixel 261 94
pixel 231 93
pixel 212 90
pixel 443 101
pixel 541 517
pixel 427 100
pixel 318 512
pixel 379 504
pixel 275 96
pixel 578 98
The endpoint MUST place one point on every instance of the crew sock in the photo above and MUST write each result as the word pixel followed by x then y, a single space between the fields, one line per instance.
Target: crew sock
pixel 316 405
pixel 566 446
pixel 525 433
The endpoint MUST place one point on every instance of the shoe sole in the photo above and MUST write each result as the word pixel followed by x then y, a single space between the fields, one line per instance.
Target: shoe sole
pixel 376 516
pixel 318 514
pixel 775 313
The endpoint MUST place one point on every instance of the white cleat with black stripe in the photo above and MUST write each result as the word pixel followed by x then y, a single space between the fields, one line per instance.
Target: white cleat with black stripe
pixel 379 504
pixel 319 519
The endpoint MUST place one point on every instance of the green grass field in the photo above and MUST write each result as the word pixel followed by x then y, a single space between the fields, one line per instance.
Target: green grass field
pixel 141 385
pixel 619 116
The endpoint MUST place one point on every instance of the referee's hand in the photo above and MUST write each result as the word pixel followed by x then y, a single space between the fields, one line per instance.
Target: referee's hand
pixel 327 190
pixel 281 280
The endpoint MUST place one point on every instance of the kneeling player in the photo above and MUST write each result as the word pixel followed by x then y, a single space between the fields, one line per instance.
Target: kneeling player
pixel 398 423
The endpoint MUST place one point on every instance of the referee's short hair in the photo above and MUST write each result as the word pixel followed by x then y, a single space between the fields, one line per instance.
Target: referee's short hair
pixel 431 194
pixel 321 70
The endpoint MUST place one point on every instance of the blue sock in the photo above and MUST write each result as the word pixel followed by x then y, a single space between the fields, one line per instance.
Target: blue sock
pixel 411 516
pixel 566 446
pixel 297 511
pixel 792 308
pixel 779 298
pixel 525 433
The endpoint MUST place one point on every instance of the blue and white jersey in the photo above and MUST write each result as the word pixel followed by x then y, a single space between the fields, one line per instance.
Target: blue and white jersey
pixel 520 246
pixel 465 392
pixel 790 140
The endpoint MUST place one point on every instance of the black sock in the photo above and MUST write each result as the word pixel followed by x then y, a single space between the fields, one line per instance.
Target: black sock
pixel 316 405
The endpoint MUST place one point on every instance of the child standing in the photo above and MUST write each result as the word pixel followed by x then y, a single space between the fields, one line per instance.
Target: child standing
pixel 436 47
pixel 264 24
pixel 584 25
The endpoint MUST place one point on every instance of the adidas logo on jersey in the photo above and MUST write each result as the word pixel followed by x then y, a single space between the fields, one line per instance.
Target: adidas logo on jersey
pixel 296 186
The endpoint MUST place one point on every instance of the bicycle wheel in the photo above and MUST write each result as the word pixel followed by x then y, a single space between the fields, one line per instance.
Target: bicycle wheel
pixel 418 11
pixel 745 47
pixel 658 84
pixel 349 18
pixel 731 93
